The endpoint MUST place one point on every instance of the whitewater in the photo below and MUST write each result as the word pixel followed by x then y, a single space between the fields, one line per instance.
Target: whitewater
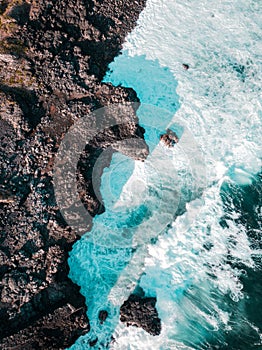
pixel 197 261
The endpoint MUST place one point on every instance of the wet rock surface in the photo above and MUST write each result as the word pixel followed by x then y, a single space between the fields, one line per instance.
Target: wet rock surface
pixel 170 138
pixel 53 55
pixel 140 311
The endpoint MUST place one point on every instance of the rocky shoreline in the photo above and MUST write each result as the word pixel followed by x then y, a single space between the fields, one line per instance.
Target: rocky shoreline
pixel 53 56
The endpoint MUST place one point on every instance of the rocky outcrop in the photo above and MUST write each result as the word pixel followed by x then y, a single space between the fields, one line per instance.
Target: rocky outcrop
pixel 140 311
pixel 170 138
pixel 53 55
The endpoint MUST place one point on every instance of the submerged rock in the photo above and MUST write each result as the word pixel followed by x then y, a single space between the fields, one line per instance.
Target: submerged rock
pixel 102 316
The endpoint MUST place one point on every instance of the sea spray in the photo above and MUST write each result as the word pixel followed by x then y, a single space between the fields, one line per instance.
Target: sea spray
pixel 197 270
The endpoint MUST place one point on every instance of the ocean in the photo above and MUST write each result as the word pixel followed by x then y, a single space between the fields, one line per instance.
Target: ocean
pixel 192 212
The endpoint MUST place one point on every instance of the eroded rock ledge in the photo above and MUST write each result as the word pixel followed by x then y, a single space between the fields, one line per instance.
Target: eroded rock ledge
pixel 53 55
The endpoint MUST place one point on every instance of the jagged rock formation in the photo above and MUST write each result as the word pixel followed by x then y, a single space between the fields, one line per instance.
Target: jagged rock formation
pixel 140 311
pixel 53 55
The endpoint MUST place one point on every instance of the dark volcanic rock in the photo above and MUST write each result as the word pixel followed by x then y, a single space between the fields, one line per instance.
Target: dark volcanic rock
pixel 53 55
pixel 170 138
pixel 140 311
pixel 102 316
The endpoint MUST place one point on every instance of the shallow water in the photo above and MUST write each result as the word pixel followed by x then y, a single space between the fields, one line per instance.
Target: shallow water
pixel 205 266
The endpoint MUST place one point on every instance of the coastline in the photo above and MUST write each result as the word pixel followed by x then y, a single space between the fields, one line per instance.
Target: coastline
pixel 53 58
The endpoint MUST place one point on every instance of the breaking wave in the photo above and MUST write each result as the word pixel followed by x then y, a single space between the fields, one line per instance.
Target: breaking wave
pixel 205 266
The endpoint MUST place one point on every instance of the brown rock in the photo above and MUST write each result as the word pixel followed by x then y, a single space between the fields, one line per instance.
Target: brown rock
pixel 53 56
pixel 170 138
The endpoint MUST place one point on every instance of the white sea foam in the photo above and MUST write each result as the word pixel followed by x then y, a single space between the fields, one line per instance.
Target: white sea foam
pixel 220 103
pixel 222 110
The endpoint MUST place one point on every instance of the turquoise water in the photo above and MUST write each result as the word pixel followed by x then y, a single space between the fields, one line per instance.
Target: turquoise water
pixel 204 267
pixel 155 85
pixel 97 263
